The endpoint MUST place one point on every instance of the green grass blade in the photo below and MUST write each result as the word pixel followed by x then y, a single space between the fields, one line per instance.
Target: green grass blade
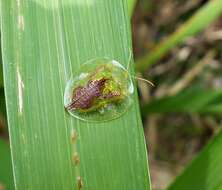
pixel 195 24
pixel 131 6
pixel 204 172
pixel 6 178
pixel 202 101
pixel 214 108
pixel 43 42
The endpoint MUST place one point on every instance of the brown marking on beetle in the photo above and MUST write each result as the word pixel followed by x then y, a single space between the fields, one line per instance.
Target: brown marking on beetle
pixel 76 159
pixel 111 95
pixel 79 183
pixel 74 136
pixel 83 97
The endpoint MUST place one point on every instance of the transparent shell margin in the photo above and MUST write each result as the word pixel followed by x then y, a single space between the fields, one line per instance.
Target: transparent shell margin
pixel 111 110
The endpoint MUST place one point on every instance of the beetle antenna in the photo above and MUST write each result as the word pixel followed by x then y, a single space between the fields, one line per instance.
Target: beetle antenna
pixel 144 80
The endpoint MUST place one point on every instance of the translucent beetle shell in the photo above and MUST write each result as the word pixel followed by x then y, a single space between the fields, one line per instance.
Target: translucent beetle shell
pixel 100 90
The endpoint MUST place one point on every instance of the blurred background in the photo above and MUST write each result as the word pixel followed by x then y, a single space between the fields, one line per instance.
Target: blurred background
pixel 181 113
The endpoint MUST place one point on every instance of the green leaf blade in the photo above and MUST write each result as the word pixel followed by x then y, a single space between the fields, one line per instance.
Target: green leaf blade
pixel 204 171
pixel 44 42
pixel 202 101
